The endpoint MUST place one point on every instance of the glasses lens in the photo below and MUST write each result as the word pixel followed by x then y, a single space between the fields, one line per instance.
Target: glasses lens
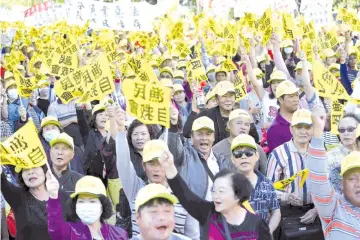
pixel 249 153
pixel 239 154
pixel 349 129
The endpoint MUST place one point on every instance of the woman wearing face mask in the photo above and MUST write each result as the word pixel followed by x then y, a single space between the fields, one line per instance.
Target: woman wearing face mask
pixel 50 129
pixel 347 134
pixel 289 56
pixel 28 202
pixel 181 103
pixel 226 211
pixel 90 204
pixel 210 73
pixel 43 95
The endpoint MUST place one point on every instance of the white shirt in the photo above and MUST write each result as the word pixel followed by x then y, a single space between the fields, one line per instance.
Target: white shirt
pixel 269 108
pixel 214 168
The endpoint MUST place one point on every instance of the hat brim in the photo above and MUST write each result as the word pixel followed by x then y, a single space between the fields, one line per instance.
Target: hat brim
pixel 222 92
pixel 243 145
pixel 208 128
pixel 55 141
pixel 291 91
pixel 98 109
pixel 57 123
pixel 350 168
pixel 167 196
pixel 303 122
pixel 275 79
pixel 86 192
pixel 152 156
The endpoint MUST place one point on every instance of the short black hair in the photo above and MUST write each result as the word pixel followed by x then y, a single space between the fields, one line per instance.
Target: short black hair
pixel 21 180
pixel 240 184
pixel 271 94
pixel 92 121
pixel 136 123
pixel 152 202
pixel 106 207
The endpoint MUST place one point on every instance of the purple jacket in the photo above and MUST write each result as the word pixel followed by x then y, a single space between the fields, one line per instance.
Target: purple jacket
pixel 59 229
pixel 278 133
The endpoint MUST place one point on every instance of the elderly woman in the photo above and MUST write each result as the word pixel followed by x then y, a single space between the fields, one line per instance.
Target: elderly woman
pixel 91 206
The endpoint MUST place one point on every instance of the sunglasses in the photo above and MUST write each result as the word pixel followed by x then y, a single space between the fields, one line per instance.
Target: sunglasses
pixel 349 129
pixel 240 153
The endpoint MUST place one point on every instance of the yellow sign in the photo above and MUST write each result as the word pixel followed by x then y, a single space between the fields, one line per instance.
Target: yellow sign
pixel 326 83
pixel 281 185
pixel 183 50
pixel 288 24
pixel 149 103
pixel 146 74
pixel 337 113
pixel 196 70
pixel 10 62
pixel 61 64
pixel 18 151
pixel 24 85
pixel 239 84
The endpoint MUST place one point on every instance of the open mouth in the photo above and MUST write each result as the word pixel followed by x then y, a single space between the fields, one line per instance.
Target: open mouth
pixel 244 164
pixel 162 228
pixel 32 179
pixel 204 145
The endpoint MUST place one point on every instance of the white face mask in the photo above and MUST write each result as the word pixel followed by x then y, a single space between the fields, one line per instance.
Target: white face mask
pixel 13 94
pixel 288 50
pixel 211 76
pixel 50 135
pixel 88 212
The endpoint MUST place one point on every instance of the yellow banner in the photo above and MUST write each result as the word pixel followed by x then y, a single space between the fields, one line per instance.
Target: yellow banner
pixel 281 185
pixel 149 103
pixel 289 26
pixel 196 70
pixel 17 150
pixel 61 64
pixel 326 83
pixel 239 84
pixel 337 113
pixel 24 85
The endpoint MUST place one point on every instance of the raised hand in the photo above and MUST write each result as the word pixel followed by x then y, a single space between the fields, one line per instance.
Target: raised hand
pixel 52 185
pixel 167 162
pixel 120 117
pixel 319 120
pixel 174 115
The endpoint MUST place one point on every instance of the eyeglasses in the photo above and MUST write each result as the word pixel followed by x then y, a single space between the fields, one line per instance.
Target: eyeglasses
pixel 240 153
pixel 349 129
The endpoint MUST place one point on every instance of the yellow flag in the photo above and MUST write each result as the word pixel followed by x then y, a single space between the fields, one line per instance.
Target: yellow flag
pixel 239 84
pixel 146 74
pixel 289 27
pixel 24 85
pixel 62 64
pixel 19 151
pixel 326 83
pixel 149 103
pixel 331 39
pixel 229 65
pixel 281 185
pixel 196 70
pixel 337 112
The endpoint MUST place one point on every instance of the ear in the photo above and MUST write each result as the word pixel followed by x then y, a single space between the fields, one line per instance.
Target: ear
pixel 291 130
pixel 257 155
pixel 137 218
pixel 73 154
pixel 144 166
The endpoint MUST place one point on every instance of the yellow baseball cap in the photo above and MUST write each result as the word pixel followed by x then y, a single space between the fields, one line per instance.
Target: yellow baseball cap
pixel 299 65
pixel 258 72
pixel 220 60
pixel 63 138
pixel 178 87
pixel 8 75
pixel 9 84
pixel 123 43
pixel 42 83
pixel 49 120
pixel 154 149
pixel 152 191
pixel 220 69
pixel 351 161
pixel 98 107
pixel 301 116
pixel 203 123
pixel 277 75
pixel 154 63
pixel 20 67
pixel 168 70
pixel 166 82
pixel 166 56
pixel 179 74
pixel 334 66
pixel 89 185
pixel 181 64
pixel 211 94
pixel 328 52
pixel 30 49
pixel 224 87
pixel 210 68
pixel 243 140
pixel 286 87
pixel 260 58
pixel 287 43
pixel 237 113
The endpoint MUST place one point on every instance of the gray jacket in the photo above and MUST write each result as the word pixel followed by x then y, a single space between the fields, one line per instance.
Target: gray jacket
pixel 192 170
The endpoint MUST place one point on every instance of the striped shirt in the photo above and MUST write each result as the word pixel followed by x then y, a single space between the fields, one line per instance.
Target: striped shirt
pixel 340 219
pixel 63 111
pixel 284 162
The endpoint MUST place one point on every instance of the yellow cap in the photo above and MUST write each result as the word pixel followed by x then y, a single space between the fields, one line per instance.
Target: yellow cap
pixel 9 84
pixel 168 70
pixel 277 75
pixel 154 149
pixel 42 83
pixel 20 67
pixel 98 107
pixel 224 87
pixel 243 140
pixel 203 123
pixel 123 43
pixel 89 185
pixel 334 66
pixel 299 65
pixel 301 116
pixel 179 74
pixel 351 161
pixel 328 52
pixel 181 64
pixel 220 60
pixel 154 63
pixel 178 87
pixel 286 87
pixel 49 120
pixel 166 56
pixel 257 72
pixel 63 138
pixel 8 75
pixel 287 43
pixel 210 68
pixel 260 58
pixel 30 49
pixel 152 191
pixel 167 82
pixel 341 39
pixel 220 69
pixel 237 113
pixel 210 95
pixel 38 60
pixel 358 131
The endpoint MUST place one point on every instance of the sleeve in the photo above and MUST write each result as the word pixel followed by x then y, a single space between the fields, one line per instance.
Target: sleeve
pixel 130 181
pixel 345 79
pixel 264 231
pixel 273 139
pixel 322 192
pixel 176 147
pixel 274 204
pixel 52 111
pixel 188 125
pixel 57 227
pixel 194 205
pixel 314 101
pixel 192 229
pixel 274 171
pixel 205 58
pixel 83 123
pixel 11 193
pixel 280 65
